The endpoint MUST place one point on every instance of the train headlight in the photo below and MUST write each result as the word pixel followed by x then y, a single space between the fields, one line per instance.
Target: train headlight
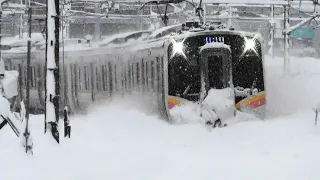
pixel 250 45
pixel 177 48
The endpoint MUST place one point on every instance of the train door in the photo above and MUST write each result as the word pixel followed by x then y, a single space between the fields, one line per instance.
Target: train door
pixel 215 69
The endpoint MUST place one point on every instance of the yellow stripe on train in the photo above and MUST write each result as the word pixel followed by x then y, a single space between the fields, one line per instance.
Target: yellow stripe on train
pixel 252 102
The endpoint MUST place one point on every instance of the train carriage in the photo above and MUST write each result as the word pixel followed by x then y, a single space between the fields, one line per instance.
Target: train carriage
pixel 152 74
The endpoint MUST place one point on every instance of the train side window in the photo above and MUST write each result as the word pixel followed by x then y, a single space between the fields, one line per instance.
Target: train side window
pixel 80 79
pixel 25 75
pixel 34 76
pixel 124 77
pixel 115 78
pixel 31 78
pixel 86 78
pixel 142 74
pixel 104 77
pixel 161 81
pixel 133 76
pixel 152 75
pixel 129 76
pixel 97 80
pixel 110 78
pixel 75 80
pixel 121 78
pixel 138 75
pixel 158 74
pixel 147 75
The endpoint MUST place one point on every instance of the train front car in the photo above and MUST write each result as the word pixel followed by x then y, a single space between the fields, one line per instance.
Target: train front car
pixel 194 72
pixel 217 60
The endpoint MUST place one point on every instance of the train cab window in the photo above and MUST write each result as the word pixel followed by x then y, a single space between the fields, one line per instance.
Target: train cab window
pixel 215 72
pixel 184 78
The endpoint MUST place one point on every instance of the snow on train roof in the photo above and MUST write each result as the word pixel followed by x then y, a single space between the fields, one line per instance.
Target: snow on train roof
pixel 160 31
pixel 94 49
pixel 160 41
pixel 111 38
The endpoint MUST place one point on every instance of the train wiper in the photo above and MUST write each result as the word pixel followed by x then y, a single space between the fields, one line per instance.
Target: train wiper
pixel 186 90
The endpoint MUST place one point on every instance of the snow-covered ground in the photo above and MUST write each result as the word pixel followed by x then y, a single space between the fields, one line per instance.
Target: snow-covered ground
pixel 114 142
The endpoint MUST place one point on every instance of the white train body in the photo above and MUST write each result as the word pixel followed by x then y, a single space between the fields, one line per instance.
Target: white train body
pixel 97 75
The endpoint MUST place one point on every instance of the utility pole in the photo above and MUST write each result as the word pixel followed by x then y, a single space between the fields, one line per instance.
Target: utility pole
pixel 21 24
pixel 1 3
pixel 52 63
pixel 286 38
pixel 26 134
pixel 28 62
pixel 272 31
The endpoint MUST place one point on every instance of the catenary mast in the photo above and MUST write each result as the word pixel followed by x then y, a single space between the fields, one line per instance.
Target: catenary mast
pixel 52 63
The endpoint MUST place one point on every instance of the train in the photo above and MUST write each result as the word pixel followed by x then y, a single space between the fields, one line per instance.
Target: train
pixel 157 74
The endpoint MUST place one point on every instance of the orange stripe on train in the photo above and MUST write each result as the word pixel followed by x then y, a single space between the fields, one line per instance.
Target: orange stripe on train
pixel 173 102
pixel 252 102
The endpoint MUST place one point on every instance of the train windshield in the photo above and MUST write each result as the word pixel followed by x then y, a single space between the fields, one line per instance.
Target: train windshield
pixel 184 77
pixel 215 72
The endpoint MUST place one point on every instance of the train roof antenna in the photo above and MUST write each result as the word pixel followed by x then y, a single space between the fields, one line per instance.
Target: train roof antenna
pixel 165 17
pixel 199 12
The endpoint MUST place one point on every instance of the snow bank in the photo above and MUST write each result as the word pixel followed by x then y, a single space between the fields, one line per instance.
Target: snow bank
pixel 120 143
pixel 4 107
pixel 10 84
pixel 297 91
pixel 219 103
pixel 222 102
pixel 186 113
